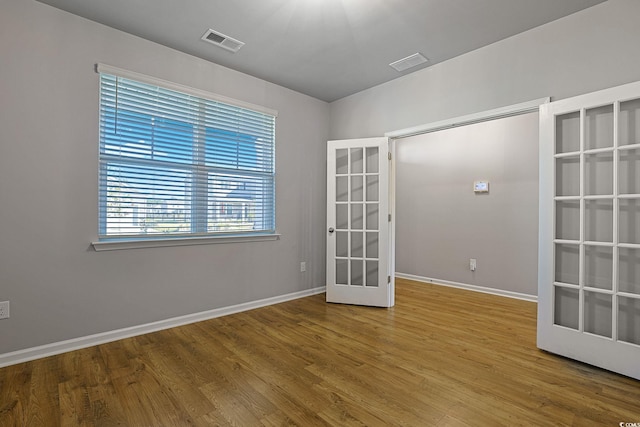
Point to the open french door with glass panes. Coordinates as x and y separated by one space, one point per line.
589 259
359 232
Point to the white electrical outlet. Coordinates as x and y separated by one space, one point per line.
473 264
303 267
4 310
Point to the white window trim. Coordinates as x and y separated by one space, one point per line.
120 244
155 242
132 75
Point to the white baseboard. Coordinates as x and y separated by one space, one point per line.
46 350
492 291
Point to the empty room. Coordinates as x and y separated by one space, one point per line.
319 212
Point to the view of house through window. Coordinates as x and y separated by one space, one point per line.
175 164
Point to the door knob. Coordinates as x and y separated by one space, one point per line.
331 230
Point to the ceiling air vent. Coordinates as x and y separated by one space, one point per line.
223 41
408 62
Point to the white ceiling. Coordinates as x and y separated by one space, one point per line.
327 49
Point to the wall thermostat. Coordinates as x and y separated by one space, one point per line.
481 187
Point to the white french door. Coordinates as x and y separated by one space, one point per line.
359 241
589 251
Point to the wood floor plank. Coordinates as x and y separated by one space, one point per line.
172 372
441 357
146 401
283 381
14 395
42 408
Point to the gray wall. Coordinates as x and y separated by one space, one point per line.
589 50
59 288
441 223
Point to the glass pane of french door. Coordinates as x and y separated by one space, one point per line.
356 223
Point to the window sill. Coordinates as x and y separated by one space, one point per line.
119 244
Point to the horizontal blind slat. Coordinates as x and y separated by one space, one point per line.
168 158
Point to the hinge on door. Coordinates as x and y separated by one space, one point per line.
389 217
389 155
388 279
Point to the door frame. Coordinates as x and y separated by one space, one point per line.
396 136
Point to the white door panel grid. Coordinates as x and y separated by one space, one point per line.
359 257
589 249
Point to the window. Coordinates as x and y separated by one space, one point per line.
178 162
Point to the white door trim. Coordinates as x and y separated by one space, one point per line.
483 116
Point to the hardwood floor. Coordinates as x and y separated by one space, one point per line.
440 357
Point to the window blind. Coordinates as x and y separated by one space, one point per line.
176 164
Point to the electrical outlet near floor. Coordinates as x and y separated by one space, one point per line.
303 267
473 264
4 310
